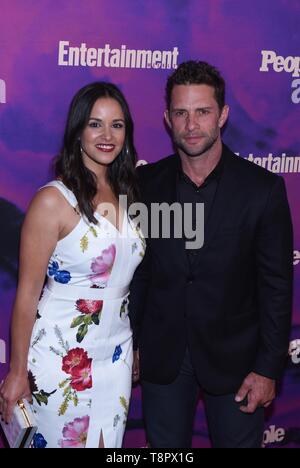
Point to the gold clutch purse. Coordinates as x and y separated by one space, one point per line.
20 431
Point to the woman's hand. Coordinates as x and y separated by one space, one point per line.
14 388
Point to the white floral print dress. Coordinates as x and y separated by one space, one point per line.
80 357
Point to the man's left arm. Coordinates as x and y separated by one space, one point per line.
274 259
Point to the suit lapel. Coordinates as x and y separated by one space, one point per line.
167 193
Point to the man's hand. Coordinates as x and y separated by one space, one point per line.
136 367
259 390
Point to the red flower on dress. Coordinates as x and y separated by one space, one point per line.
82 377
76 357
89 307
78 365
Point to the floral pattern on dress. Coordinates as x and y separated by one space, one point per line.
117 419
137 229
40 335
78 365
75 433
39 441
102 267
90 315
40 396
117 354
124 309
60 276
125 406
84 241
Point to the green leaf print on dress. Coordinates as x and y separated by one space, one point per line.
125 406
84 241
40 396
90 315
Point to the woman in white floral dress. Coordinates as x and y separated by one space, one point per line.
78 349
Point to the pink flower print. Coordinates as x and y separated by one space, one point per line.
103 265
75 433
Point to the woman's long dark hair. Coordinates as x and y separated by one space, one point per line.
69 166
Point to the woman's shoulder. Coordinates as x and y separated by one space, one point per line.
54 192
49 197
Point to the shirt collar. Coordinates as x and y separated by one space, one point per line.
215 174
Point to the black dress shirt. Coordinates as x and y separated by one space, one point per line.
189 192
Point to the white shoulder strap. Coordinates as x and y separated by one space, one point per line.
67 193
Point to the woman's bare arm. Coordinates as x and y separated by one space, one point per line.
40 233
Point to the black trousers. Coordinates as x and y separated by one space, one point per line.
169 412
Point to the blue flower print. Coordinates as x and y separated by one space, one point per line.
117 354
39 442
60 276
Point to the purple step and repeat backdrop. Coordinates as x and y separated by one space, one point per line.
48 50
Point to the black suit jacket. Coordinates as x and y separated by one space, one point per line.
234 311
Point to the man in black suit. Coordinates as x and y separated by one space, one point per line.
216 317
